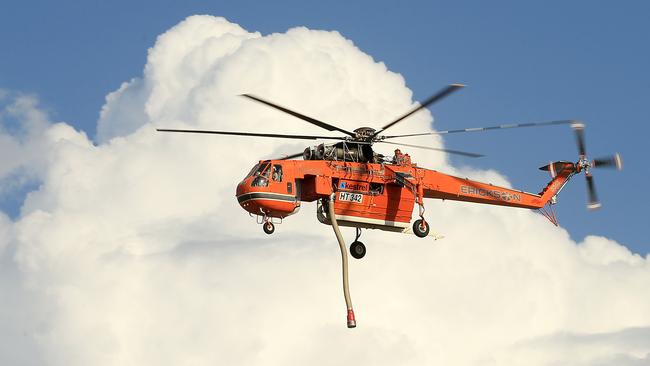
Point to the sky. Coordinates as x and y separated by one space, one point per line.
121 246
521 61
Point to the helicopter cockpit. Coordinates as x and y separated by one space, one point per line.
266 192
264 171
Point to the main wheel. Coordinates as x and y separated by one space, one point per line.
268 227
421 228
357 249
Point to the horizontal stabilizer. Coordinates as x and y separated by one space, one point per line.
557 167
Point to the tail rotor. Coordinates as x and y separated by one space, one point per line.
584 164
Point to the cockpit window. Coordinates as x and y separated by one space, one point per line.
252 170
262 175
263 169
260 181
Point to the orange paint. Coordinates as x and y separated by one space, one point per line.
373 195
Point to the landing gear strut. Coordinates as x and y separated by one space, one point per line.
357 249
420 226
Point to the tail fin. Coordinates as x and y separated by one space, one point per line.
561 172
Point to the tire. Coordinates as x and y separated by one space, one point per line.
357 250
268 227
419 230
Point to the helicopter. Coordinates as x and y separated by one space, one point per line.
355 186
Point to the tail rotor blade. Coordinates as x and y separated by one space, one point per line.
593 203
551 169
613 161
579 129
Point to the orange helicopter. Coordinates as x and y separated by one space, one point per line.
356 186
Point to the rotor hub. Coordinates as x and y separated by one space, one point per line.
584 164
364 133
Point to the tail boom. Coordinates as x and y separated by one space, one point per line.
446 187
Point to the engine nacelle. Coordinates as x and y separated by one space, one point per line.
340 152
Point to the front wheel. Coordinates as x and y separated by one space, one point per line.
420 228
357 249
268 227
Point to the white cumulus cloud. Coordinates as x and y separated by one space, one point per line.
134 251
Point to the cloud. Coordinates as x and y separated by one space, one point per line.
135 251
625 347
21 132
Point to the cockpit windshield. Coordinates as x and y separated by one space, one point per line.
262 175
253 170
259 169
263 169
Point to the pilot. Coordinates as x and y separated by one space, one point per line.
277 173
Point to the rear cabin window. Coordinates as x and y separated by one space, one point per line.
376 188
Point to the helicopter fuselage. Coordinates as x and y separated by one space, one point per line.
372 195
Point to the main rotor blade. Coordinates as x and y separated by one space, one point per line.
274 135
313 121
463 153
613 161
591 191
480 129
291 156
579 129
434 98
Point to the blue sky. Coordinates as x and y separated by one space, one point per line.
522 61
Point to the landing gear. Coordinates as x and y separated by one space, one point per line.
266 221
268 227
357 249
420 228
